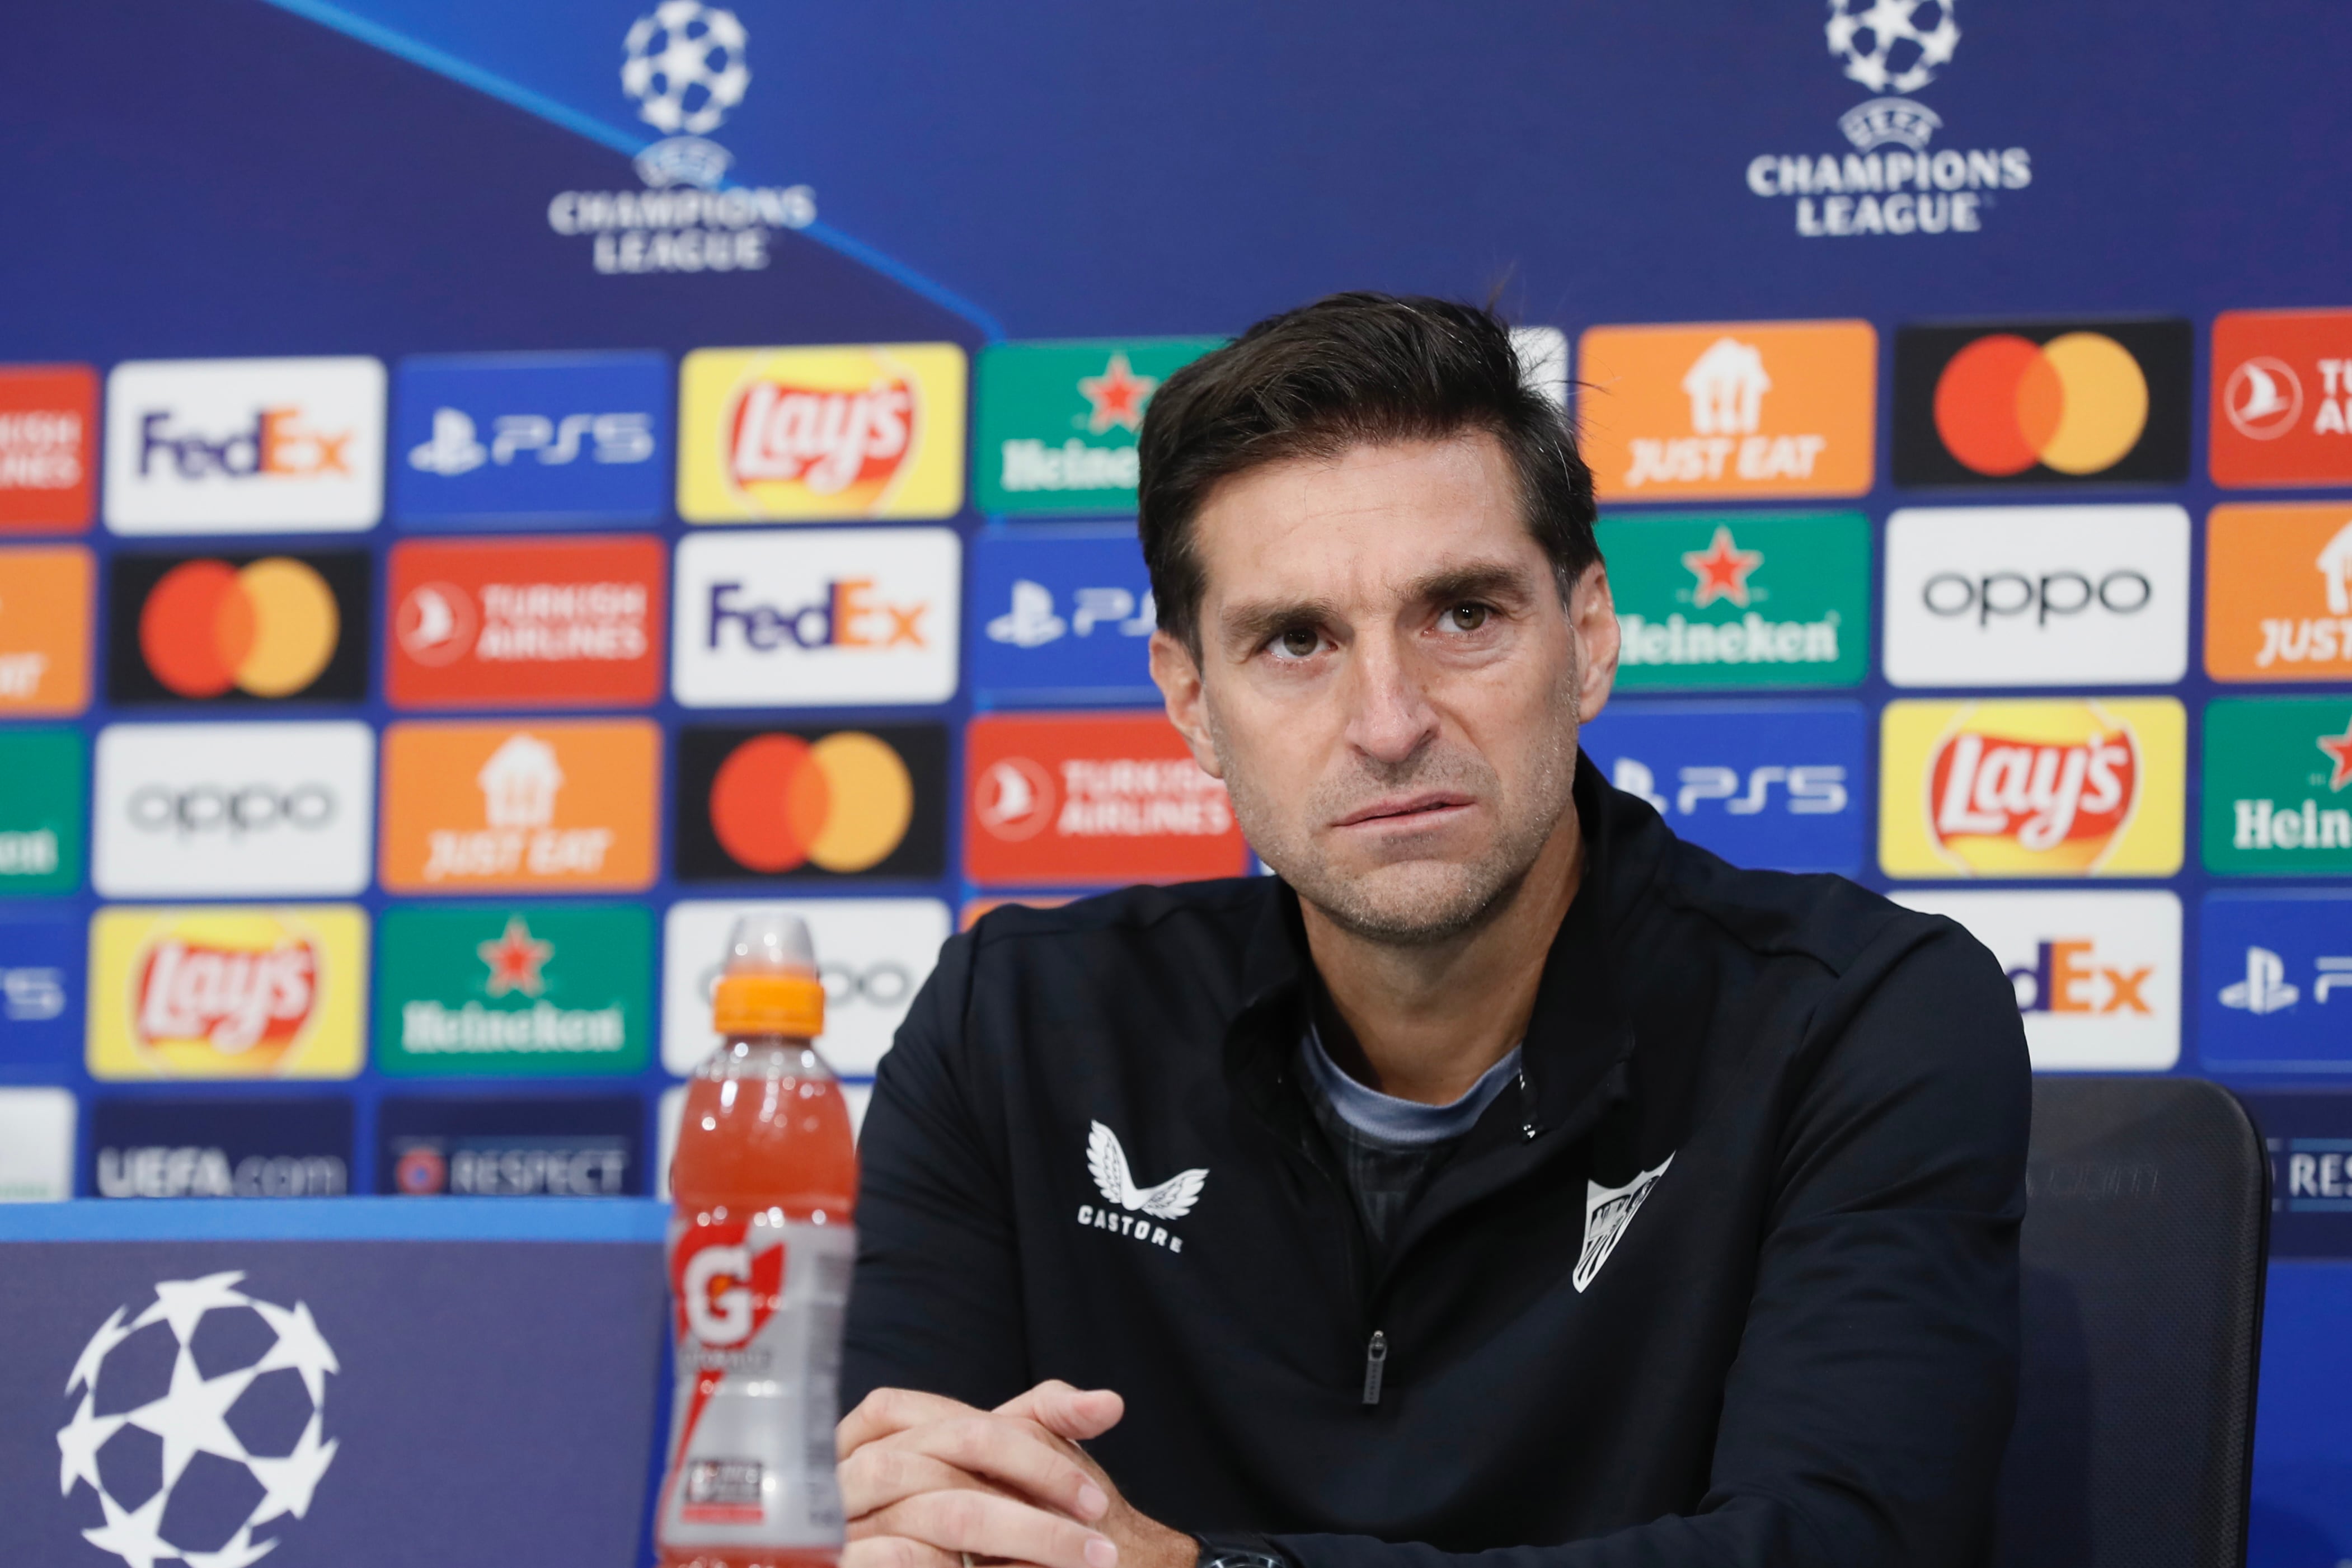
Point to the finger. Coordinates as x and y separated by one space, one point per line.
1076 1413
880 1474
895 1551
889 1410
990 1526
1013 1452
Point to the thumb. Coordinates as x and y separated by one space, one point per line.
1073 1413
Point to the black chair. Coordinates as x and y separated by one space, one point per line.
2146 1227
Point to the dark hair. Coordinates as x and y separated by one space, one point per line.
1345 371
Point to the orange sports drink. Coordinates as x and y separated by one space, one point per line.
761 1247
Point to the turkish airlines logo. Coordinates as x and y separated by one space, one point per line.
48 445
2263 397
2282 397
1089 798
514 623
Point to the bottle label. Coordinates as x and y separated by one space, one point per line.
760 1303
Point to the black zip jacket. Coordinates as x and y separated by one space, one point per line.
1728 1277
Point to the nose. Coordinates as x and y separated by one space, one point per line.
1390 717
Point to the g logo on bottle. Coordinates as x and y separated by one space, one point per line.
726 1290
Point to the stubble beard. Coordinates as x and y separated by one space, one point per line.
1412 903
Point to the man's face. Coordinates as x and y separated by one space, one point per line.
1387 682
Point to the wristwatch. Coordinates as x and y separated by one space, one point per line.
1238 1552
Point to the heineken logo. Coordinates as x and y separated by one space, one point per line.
2278 785
1754 601
542 989
1057 421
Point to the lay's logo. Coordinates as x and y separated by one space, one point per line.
809 434
226 992
2049 787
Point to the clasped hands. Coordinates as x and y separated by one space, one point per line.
928 1482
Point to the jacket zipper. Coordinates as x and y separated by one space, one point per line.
1376 1356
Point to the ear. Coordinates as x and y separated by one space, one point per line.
1178 675
1592 621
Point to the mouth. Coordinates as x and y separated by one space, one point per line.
1428 808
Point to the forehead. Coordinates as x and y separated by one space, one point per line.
1368 520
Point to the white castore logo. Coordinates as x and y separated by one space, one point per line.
1607 1212
192 1418
1107 1162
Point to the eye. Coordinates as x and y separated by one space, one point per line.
1467 617
1297 642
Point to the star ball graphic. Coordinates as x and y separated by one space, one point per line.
237 1423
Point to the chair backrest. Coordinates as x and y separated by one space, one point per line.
2148 1217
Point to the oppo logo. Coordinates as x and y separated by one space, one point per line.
2006 596
886 984
238 810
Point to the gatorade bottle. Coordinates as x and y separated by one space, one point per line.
765 1178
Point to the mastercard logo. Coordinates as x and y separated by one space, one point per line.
841 803
2077 404
267 629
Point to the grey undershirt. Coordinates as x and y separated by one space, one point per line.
1387 1147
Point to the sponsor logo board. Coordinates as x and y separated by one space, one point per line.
585 1147
1090 799
806 435
2278 593
517 440
2049 786
873 955
48 447
36 1145
239 628
226 992
1730 410
245 446
2043 402
2278 785
2282 398
811 803
41 976
526 623
282 1147
2097 975
2309 1139
1770 784
2037 596
519 989
817 619
207 810
2276 971
42 779
1061 613
1708 602
45 630
548 805
1056 421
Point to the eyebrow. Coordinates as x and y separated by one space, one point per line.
1251 623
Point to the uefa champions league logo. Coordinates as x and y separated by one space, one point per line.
1893 46
685 67
187 1463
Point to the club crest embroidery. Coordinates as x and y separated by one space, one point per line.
1607 1212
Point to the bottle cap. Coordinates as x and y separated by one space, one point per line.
769 984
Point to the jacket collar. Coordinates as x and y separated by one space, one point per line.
1579 1038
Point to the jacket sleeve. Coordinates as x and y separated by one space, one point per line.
1864 1417
936 1301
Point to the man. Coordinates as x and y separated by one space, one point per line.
1503 1172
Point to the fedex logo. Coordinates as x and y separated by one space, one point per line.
245 446
531 439
847 613
1764 784
792 619
1061 614
2096 974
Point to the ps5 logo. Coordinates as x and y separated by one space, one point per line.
1032 622
1806 791
2266 989
456 447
